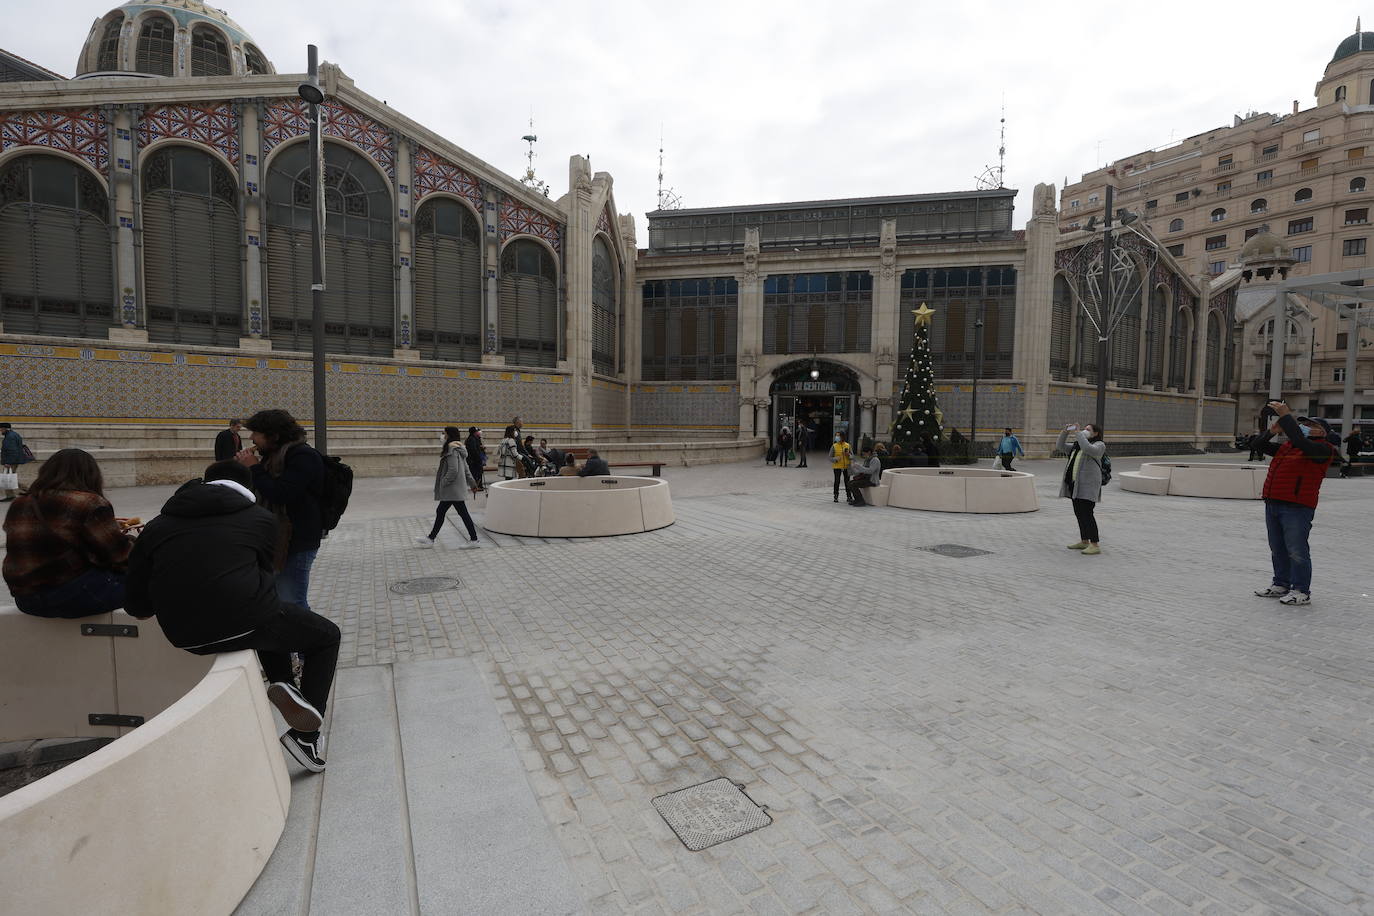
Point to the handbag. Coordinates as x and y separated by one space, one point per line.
9 481
26 454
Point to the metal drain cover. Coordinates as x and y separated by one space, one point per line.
958 551
424 585
710 813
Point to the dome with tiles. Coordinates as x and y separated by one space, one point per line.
169 38
1354 44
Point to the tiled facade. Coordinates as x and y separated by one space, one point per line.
691 408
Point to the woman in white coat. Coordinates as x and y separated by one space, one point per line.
1083 481
452 483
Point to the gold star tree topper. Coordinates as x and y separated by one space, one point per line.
923 314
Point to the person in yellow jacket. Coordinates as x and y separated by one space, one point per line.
840 454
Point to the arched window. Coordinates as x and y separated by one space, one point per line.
605 302
107 55
192 261
1218 214
1340 93
254 60
1213 377
1259 205
55 266
528 299
209 52
1154 336
359 298
1302 194
1061 329
1125 341
1180 349
1176 225
1356 184
156 46
448 281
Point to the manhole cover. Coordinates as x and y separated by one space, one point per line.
710 813
424 586
956 550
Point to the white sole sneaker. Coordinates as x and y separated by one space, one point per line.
423 542
306 753
1272 591
294 708
1293 598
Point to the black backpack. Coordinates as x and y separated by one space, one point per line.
1106 465
334 494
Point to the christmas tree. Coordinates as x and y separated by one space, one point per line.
918 414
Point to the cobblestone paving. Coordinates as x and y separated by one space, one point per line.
1030 731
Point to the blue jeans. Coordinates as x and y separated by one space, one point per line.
293 582
1289 525
96 591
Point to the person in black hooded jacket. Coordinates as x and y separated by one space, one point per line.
204 567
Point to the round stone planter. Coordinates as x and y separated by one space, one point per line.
959 489
1215 481
578 507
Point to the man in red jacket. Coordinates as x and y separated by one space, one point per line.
1290 500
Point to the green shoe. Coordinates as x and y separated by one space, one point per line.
1091 550
1079 546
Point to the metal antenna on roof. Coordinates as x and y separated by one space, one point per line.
994 178
530 180
667 198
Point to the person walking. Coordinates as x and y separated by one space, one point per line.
508 454
452 482
806 440
1290 500
1354 443
784 446
477 457
1009 448
229 443
204 568
65 552
1083 481
12 454
288 477
840 454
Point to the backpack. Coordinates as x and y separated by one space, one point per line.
1106 465
334 493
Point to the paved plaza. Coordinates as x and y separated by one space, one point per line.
1024 731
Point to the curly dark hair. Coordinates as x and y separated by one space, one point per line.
277 425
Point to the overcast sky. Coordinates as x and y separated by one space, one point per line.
763 101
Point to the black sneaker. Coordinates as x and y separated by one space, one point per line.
305 748
294 708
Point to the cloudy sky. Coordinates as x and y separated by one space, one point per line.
762 100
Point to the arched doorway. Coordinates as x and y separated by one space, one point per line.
827 404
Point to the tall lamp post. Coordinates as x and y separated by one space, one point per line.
977 373
311 93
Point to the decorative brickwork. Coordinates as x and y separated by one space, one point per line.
286 119
712 408
78 131
434 173
213 123
518 219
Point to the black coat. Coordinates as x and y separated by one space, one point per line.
227 445
595 467
204 566
297 491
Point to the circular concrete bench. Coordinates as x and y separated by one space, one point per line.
578 507
180 814
1217 481
980 490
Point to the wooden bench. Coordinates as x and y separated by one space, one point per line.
581 454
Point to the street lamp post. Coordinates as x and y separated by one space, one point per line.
311 93
1103 332
977 373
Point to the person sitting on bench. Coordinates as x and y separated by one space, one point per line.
595 466
204 568
866 474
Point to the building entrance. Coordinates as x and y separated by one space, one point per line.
827 404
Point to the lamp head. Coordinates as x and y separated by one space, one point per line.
311 93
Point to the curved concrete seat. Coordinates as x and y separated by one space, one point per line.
878 495
578 507
1217 481
980 490
177 816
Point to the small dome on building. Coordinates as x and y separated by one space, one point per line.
152 38
1360 41
1264 246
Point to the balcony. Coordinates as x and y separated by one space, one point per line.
1313 144
1289 384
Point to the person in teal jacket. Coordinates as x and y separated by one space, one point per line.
1009 448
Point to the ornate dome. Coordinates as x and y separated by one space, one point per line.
151 38
1360 41
1264 246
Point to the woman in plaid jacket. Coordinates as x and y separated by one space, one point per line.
65 555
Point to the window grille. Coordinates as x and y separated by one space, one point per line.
1180 359
690 329
1155 338
1213 378
1061 329
254 60
156 46
192 263
55 261
209 52
955 293
107 58
359 297
605 305
448 282
528 298
818 313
